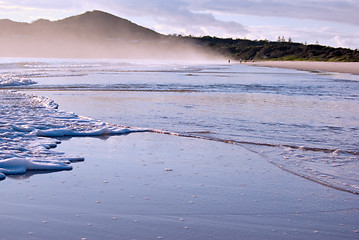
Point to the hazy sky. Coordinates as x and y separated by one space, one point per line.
330 22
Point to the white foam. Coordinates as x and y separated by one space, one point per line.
73 133
11 80
27 126
21 165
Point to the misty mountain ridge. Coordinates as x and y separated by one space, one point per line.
93 34
97 34
94 24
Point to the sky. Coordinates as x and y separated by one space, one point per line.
327 22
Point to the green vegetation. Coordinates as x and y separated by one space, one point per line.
280 50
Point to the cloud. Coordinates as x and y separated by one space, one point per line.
202 24
349 41
325 36
192 12
178 16
343 11
174 14
42 4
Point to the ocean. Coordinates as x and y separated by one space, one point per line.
306 123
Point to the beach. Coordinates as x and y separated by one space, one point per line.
153 186
212 151
339 67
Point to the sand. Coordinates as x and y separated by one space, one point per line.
340 67
154 186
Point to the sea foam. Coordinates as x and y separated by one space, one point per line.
28 126
12 80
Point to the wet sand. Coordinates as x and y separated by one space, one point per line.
154 186
340 67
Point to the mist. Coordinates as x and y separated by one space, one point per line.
95 35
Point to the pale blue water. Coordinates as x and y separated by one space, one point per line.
305 122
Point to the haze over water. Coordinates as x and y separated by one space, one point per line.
306 123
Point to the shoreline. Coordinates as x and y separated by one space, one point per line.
158 186
339 67
139 189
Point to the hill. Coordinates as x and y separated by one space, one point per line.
93 34
97 34
265 50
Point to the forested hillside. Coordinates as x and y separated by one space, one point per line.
265 50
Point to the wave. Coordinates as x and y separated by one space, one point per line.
28 127
274 153
330 166
31 126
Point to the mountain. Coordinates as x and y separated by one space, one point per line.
105 25
94 34
97 34
95 25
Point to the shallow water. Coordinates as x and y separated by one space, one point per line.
304 122
28 126
215 191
